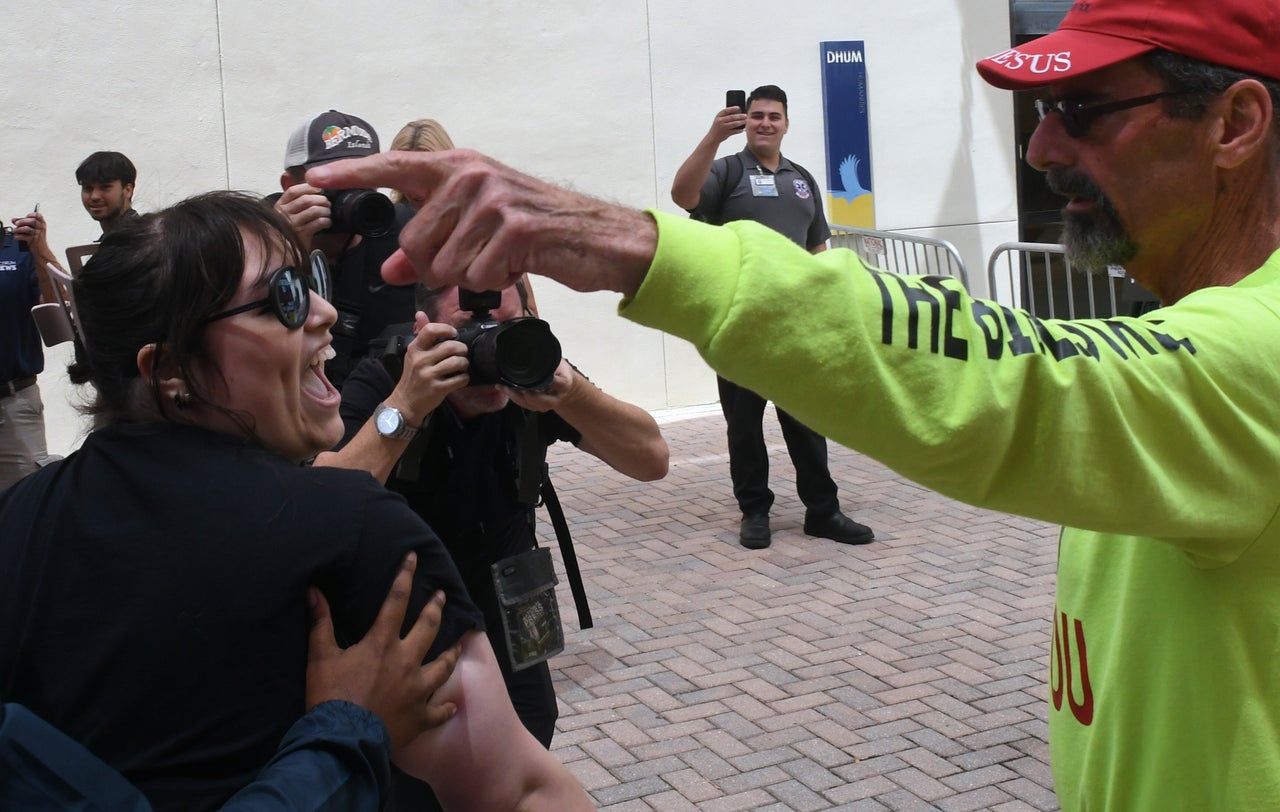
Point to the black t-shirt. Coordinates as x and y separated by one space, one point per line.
152 598
20 353
465 486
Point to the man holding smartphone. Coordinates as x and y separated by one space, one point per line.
760 184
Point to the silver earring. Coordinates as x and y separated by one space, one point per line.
181 400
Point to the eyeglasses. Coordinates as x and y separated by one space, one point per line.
288 293
1077 118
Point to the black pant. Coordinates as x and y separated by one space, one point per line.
749 459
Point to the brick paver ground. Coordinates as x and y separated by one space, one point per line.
903 675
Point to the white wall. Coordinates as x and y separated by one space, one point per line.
608 98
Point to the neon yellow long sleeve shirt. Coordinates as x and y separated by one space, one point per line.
1155 441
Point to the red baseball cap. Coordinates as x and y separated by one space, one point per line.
1240 34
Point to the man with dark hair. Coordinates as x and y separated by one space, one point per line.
366 304
106 188
1153 439
760 184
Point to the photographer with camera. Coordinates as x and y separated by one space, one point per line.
357 229
465 426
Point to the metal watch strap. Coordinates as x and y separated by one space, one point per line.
404 432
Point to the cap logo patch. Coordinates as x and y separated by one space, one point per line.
1013 59
334 136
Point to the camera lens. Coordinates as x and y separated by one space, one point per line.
361 211
521 353
527 354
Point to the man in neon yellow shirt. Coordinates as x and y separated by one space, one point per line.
1154 440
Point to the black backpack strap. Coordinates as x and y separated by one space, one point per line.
734 170
813 184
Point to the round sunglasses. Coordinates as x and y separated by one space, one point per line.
288 293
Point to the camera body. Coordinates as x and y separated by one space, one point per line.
521 353
367 212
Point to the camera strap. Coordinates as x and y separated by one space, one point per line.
533 479
567 553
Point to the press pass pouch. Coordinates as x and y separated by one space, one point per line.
526 589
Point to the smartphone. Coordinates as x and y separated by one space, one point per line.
23 245
736 98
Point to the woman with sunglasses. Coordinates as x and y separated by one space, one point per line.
206 347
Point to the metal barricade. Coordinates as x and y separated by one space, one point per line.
1038 278
902 253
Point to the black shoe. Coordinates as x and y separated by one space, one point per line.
754 533
838 527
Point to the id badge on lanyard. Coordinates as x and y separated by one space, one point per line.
763 186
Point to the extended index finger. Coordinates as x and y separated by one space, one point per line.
416 172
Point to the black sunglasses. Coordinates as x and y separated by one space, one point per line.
1077 118
288 293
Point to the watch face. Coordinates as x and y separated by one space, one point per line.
389 421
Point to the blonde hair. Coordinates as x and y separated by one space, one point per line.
420 135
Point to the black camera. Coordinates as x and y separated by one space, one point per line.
521 353
361 211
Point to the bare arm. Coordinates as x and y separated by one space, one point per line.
34 231
686 187
624 436
434 366
457 760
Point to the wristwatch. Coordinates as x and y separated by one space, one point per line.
390 423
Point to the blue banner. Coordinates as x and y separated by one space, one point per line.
844 101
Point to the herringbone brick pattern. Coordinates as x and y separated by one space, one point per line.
903 675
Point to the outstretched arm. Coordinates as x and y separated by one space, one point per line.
484 224
35 232
619 433
686 187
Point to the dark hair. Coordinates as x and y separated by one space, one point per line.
771 92
1201 82
428 299
102 167
154 280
